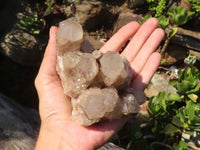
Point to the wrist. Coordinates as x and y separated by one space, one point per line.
51 140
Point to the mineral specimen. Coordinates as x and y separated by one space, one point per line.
98 84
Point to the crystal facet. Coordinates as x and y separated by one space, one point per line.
98 84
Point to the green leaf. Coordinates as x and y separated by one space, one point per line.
179 15
163 61
157 104
145 19
154 109
163 22
22 23
176 121
193 97
190 60
197 88
190 108
184 86
36 31
173 82
181 112
196 122
173 32
190 75
190 14
190 81
174 97
170 129
181 146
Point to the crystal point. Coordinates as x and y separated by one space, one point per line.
98 84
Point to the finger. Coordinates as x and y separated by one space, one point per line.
142 80
139 39
148 48
48 65
47 69
119 38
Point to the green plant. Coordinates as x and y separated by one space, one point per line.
174 113
132 138
158 6
31 23
190 60
179 15
162 11
163 21
195 7
181 146
50 8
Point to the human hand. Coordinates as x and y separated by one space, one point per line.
58 130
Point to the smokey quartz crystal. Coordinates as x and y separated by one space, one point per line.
98 84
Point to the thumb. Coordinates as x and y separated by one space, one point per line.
51 94
48 65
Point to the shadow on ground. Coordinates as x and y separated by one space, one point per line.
17 82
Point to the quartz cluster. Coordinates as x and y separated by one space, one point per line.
98 84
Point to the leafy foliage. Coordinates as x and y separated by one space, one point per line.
171 114
34 22
135 138
174 113
195 7
167 14
163 21
31 23
190 60
181 146
158 6
179 15
49 8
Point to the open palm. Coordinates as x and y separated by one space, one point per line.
58 130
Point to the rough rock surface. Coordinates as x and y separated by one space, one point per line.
160 83
20 45
125 17
174 54
19 126
97 83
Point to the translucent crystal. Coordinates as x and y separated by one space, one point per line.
69 36
94 104
114 70
98 84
